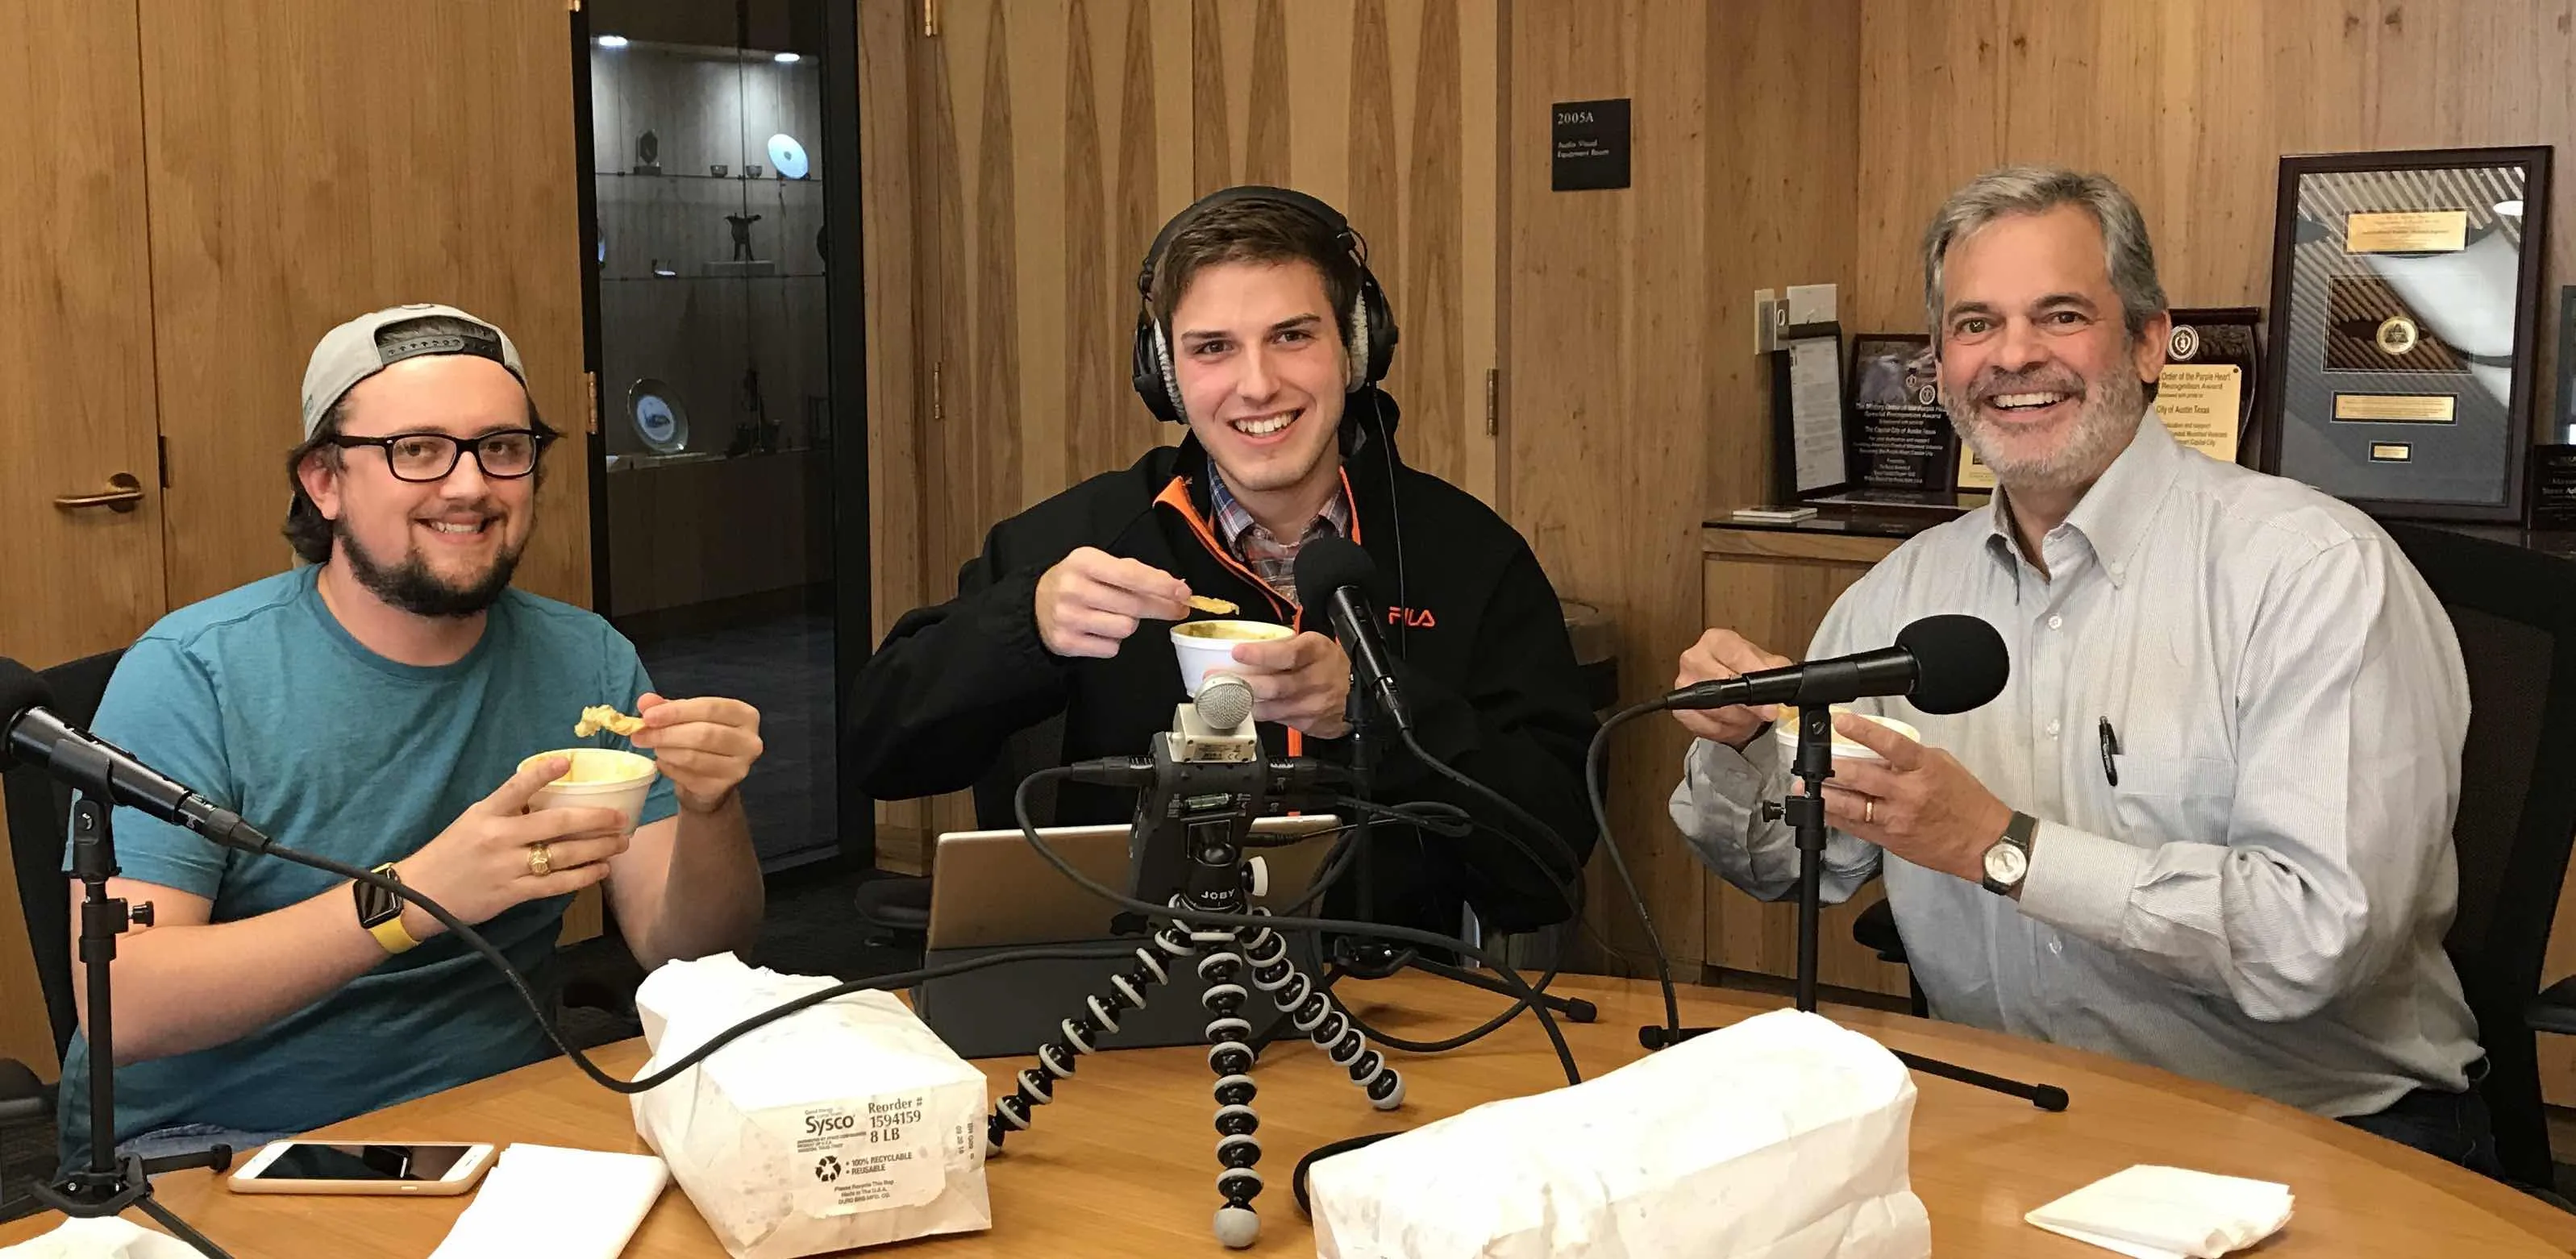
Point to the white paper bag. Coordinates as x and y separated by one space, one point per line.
1782 1137
845 1125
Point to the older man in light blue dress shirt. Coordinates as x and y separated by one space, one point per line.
2207 825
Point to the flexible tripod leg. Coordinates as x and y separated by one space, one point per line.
1238 1147
1081 1035
1312 1011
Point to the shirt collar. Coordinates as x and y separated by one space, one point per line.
1233 519
2114 515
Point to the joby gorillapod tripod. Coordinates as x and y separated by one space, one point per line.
1219 878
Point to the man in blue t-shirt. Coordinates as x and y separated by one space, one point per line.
374 706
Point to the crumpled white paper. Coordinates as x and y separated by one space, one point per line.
849 1124
1781 1137
2151 1212
101 1239
550 1202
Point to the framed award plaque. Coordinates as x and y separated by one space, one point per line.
2212 376
1898 437
2405 305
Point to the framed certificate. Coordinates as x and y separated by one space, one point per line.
2405 304
1808 455
2212 376
1898 436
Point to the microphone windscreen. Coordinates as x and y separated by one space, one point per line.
1327 564
1959 663
21 688
1224 701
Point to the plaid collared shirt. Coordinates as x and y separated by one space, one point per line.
1274 561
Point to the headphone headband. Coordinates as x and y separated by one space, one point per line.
1369 333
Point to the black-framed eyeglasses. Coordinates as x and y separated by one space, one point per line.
505 455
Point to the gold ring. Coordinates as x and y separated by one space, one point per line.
1868 812
541 862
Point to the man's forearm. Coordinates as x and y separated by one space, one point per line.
711 900
185 988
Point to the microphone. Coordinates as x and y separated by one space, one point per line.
1334 575
101 770
1940 664
1224 702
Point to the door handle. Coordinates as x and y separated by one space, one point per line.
123 494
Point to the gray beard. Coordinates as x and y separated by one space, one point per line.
2103 428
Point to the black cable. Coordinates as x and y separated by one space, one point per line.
536 1008
1340 926
1601 818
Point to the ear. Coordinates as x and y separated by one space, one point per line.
2149 352
319 474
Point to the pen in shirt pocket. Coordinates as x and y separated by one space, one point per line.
2110 750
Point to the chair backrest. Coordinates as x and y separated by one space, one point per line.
2514 609
39 811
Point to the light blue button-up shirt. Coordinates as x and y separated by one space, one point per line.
2261 900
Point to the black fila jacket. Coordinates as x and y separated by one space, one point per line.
1480 640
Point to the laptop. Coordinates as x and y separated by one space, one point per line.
991 892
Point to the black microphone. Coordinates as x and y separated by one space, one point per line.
1941 664
101 770
1335 575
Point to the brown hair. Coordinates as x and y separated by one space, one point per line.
1258 229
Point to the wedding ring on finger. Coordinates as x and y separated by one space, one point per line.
1868 812
541 860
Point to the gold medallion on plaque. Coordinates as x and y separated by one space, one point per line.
2397 335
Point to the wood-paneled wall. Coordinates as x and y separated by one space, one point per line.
1632 385
1020 161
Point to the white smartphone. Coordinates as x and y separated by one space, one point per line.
426 1169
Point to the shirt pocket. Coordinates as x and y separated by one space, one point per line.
2161 799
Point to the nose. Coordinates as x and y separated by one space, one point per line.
2020 348
465 480
1257 381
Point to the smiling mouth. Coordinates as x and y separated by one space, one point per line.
459 528
1265 425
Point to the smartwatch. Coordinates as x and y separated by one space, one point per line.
2007 860
380 912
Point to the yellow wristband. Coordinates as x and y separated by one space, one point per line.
392 936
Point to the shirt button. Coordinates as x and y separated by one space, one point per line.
2052 728
2056 622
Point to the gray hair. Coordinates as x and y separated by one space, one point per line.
2013 190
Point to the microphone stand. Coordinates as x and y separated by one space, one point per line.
111 1184
1806 817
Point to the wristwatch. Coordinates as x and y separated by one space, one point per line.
380 912
2008 859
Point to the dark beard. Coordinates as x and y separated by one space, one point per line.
411 587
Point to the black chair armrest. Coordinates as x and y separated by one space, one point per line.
22 1096
2554 1010
1875 930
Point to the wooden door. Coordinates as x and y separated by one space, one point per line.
75 379
76 404
314 160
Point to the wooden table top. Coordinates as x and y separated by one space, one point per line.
1124 1163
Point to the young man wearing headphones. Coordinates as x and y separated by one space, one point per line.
1262 331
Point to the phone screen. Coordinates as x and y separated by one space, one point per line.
309 1160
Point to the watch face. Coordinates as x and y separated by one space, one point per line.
2006 863
376 905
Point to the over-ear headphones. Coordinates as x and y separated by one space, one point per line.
1368 326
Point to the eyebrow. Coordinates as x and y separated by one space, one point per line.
1292 322
2050 301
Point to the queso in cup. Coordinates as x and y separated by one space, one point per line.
1209 645
1844 748
600 778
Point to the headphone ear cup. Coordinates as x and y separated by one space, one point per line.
1149 370
1356 350
1377 320
1171 380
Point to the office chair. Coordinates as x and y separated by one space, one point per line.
2514 610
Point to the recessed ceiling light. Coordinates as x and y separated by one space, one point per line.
612 41
786 58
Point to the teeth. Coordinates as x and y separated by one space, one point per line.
449 526
2014 400
1263 425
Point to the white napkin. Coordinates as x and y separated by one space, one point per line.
542 1200
100 1239
2150 1212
